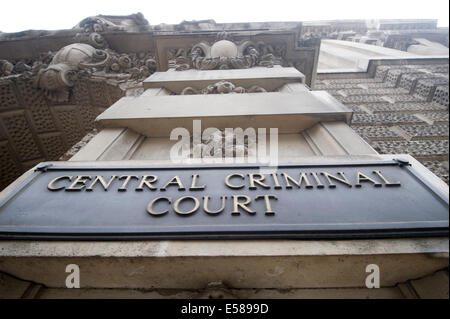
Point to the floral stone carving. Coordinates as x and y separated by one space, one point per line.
61 73
225 54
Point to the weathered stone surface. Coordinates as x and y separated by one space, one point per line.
37 129
373 91
361 99
385 118
406 107
437 117
441 95
375 132
426 131
439 168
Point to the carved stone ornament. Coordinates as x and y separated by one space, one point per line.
62 70
222 87
56 78
89 55
225 54
6 68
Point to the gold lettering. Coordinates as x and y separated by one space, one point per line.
150 206
275 180
102 181
386 182
176 205
194 182
147 183
342 180
174 181
318 182
51 187
82 179
364 178
267 198
303 177
237 204
258 181
227 181
207 210
123 188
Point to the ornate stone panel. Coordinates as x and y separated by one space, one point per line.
34 129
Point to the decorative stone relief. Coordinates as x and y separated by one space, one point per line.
34 129
226 54
26 67
56 73
222 87
60 74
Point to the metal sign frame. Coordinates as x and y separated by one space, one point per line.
438 227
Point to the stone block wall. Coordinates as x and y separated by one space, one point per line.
34 129
402 109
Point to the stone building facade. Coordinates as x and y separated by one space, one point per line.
400 108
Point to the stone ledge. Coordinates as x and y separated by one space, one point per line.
269 78
157 116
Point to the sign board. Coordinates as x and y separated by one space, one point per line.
338 200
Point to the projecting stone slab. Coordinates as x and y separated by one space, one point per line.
157 116
269 78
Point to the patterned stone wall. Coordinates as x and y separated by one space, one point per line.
34 129
403 109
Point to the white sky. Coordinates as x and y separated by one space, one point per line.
19 15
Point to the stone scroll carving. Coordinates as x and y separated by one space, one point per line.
226 54
61 73
57 78
222 87
56 73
